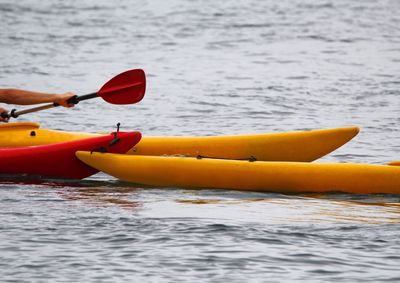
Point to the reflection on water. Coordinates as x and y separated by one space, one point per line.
90 192
100 196
316 209
307 208
146 228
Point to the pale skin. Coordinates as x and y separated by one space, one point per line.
25 97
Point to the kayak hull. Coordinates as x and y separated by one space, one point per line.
58 160
282 177
288 146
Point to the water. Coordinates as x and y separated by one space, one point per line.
213 67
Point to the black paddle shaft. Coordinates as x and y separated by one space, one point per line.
76 99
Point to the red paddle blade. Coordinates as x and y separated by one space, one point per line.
126 88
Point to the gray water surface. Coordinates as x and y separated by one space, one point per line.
213 67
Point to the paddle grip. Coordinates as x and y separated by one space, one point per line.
75 99
7 115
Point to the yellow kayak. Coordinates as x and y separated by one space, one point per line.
285 146
282 177
30 134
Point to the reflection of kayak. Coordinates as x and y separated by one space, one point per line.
58 160
286 146
284 177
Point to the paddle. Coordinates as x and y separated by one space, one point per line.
126 88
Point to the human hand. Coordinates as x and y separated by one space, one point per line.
2 119
62 99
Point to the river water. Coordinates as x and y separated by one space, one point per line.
213 67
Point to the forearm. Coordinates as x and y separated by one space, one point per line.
24 97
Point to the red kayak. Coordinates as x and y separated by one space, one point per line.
58 160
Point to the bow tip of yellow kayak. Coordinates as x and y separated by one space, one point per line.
352 131
83 155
